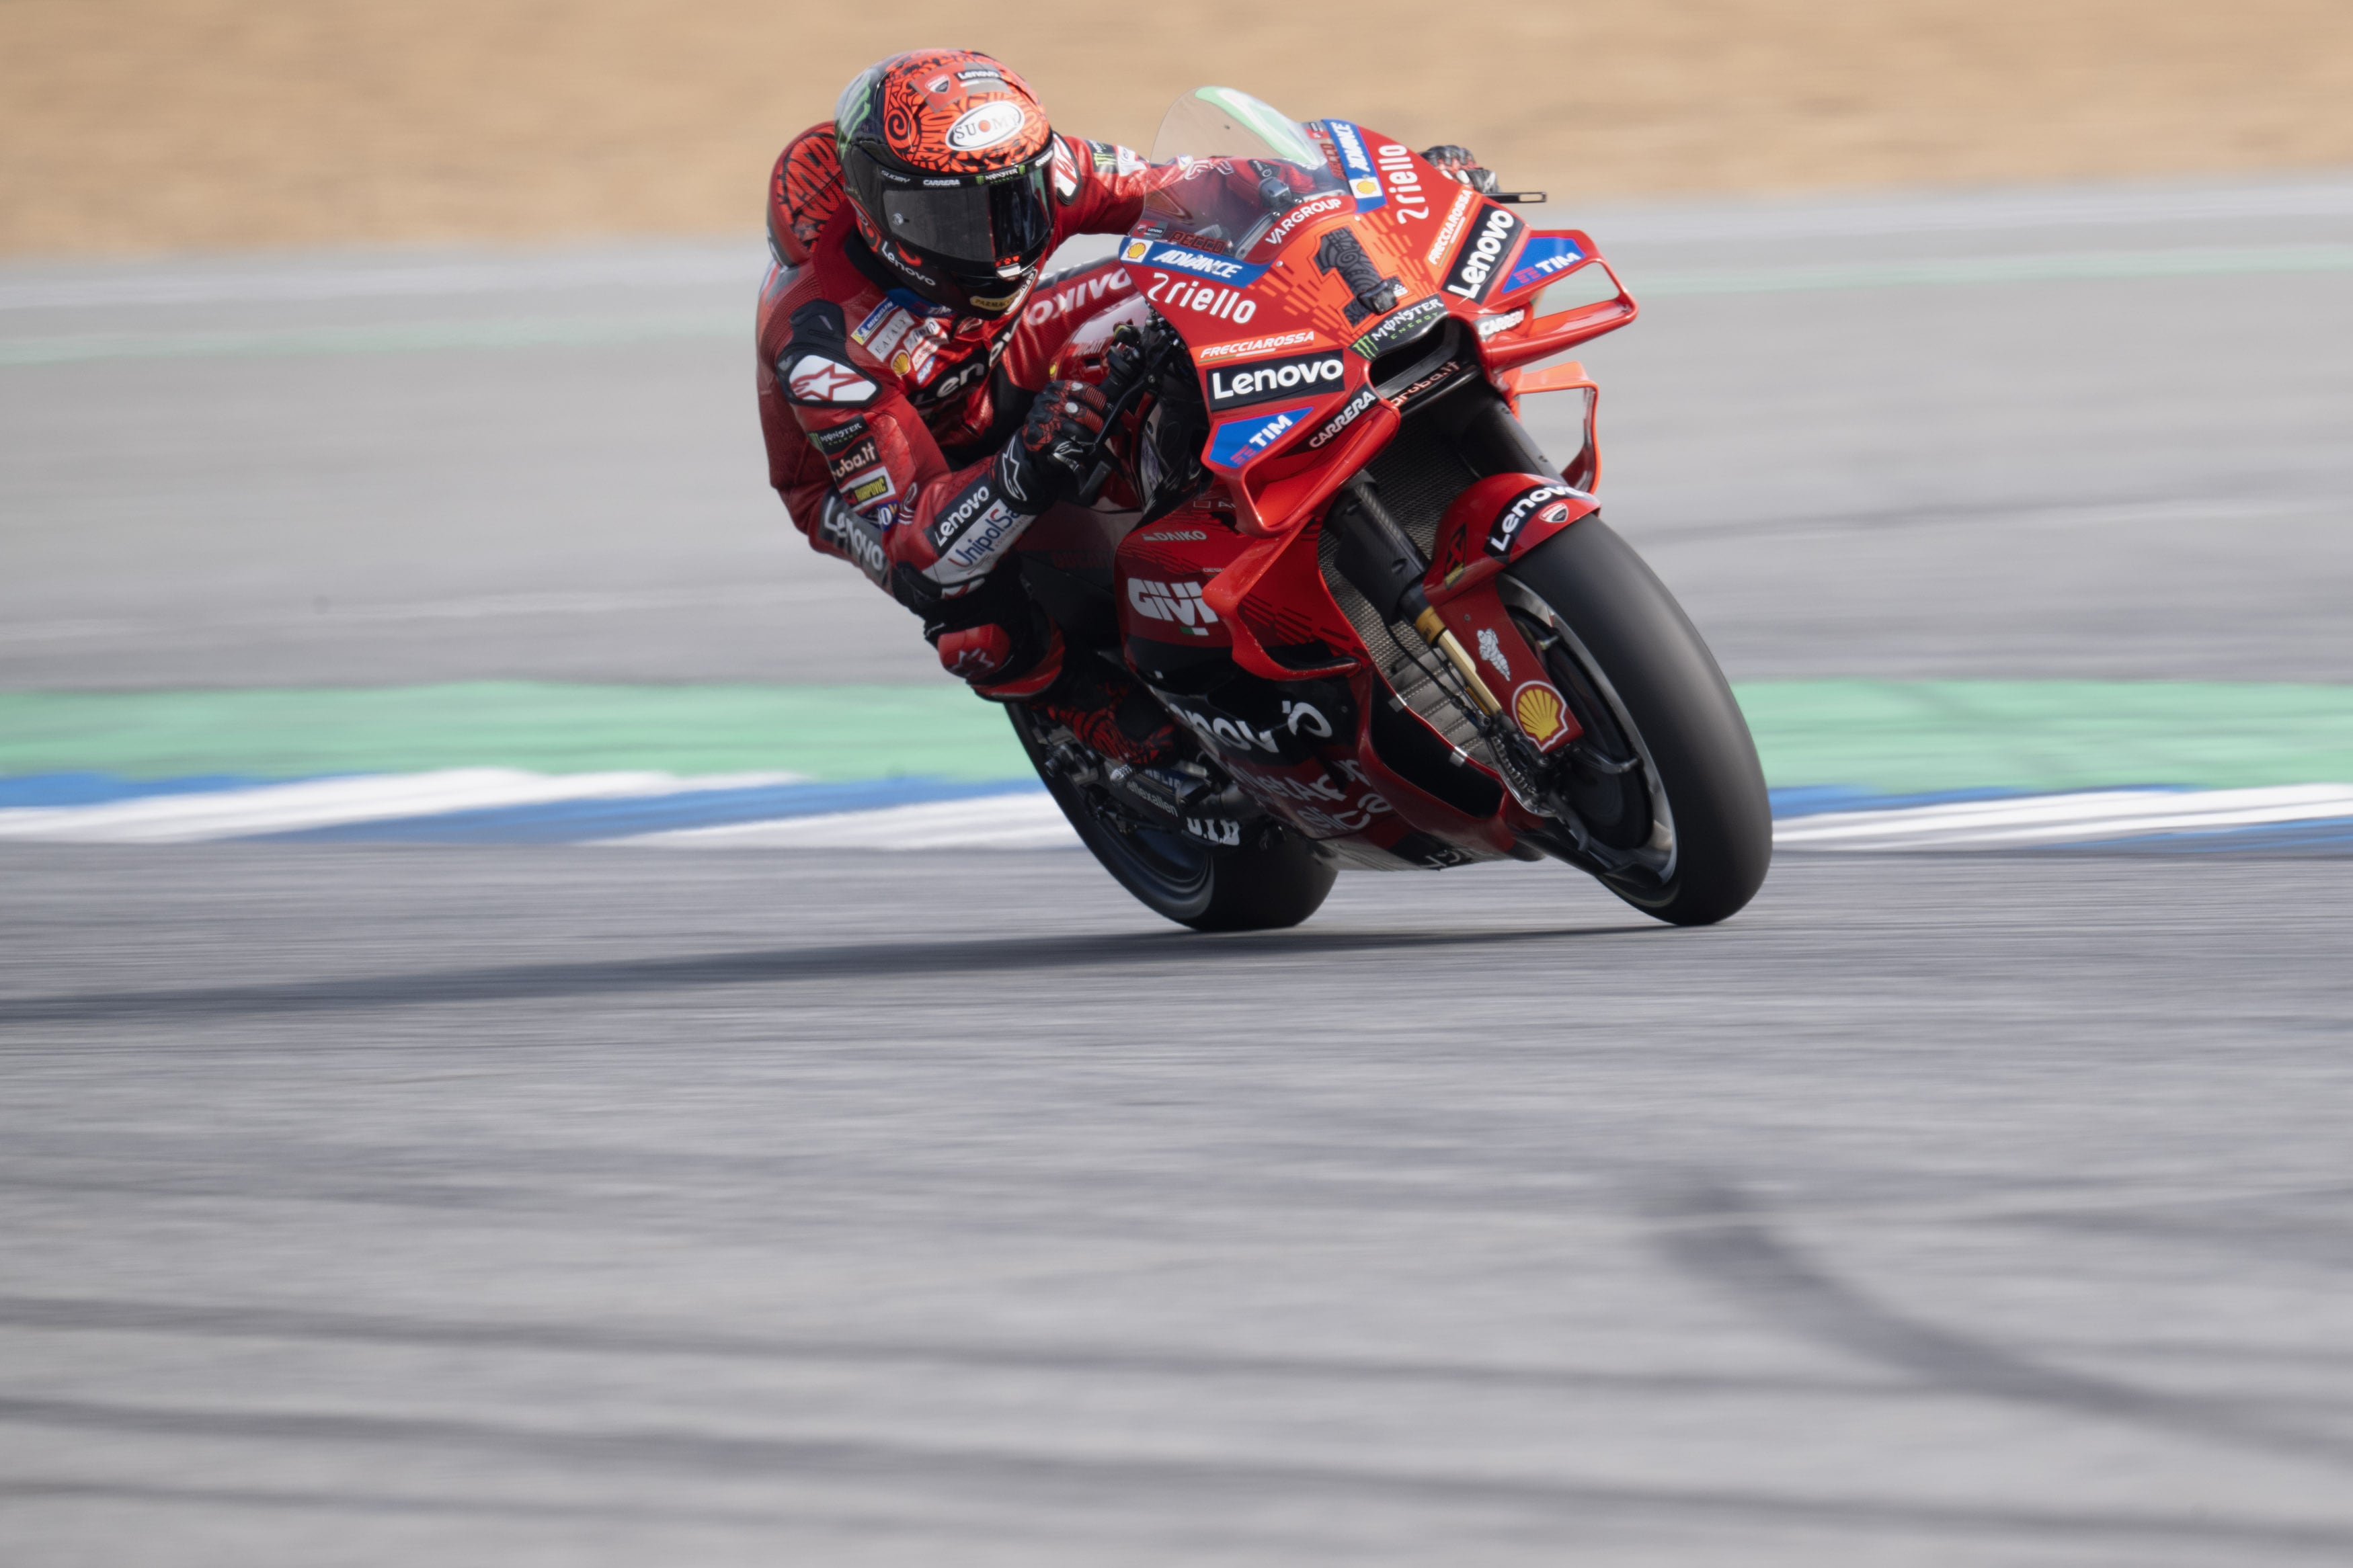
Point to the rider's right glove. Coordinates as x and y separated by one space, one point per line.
1050 456
1462 165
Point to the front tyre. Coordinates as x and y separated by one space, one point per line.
1666 779
1263 888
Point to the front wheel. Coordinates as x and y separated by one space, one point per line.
1665 779
1261 887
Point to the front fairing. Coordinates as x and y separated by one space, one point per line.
1317 316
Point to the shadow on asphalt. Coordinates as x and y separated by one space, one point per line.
700 971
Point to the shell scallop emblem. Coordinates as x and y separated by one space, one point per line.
1538 709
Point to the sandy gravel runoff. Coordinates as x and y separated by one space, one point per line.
150 125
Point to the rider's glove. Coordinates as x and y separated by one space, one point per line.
1462 165
1055 449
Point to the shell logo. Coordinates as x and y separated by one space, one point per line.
986 126
1540 713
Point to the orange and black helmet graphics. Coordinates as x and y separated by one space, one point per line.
946 157
804 193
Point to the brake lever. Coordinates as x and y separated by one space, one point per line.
1147 366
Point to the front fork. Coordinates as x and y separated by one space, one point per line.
1523 729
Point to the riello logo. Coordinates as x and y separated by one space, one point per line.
1238 386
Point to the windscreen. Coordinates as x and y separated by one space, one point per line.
1225 122
1250 164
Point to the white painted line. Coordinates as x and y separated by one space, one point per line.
2082 818
328 803
1029 820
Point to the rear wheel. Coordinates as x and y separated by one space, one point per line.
1260 888
1665 778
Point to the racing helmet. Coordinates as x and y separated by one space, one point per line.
946 158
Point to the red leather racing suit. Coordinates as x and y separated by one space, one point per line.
884 412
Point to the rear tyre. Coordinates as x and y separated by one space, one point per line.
1261 888
1692 804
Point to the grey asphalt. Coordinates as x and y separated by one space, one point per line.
587 1206
614 1207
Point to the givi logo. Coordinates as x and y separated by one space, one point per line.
1178 602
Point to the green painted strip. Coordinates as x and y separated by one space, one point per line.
588 331
414 337
2111 266
1898 736
825 732
1903 736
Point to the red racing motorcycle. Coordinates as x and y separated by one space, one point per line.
1395 632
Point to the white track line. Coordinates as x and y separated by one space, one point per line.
1029 820
2064 818
329 803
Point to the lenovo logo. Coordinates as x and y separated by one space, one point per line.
1474 269
1243 384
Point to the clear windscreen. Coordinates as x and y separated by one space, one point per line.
1247 164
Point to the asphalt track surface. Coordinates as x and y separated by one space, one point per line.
598 1205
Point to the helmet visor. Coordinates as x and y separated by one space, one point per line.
1000 216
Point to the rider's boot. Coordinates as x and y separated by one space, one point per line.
1110 713
1098 704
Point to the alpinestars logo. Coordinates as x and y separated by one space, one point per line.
814 380
1244 385
1548 503
1482 256
1177 602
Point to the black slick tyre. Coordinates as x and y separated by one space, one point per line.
1647 693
